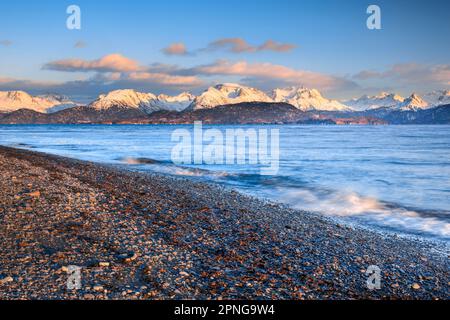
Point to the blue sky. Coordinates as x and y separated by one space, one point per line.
327 45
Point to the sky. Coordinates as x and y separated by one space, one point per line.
173 46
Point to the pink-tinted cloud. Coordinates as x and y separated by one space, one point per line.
165 79
234 45
21 84
271 72
178 49
109 63
271 45
239 45
87 89
410 73
116 68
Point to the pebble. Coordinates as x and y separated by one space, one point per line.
6 280
35 194
415 286
197 240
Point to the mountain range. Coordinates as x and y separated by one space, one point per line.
302 104
48 103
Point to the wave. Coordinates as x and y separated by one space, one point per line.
168 167
371 211
344 204
137 161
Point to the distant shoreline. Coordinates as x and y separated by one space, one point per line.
241 113
139 236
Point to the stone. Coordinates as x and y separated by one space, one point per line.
35 194
6 280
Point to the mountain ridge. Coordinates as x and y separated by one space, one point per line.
131 106
242 113
48 103
223 94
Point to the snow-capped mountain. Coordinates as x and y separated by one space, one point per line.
307 99
126 98
413 103
228 93
437 98
174 103
49 103
383 100
396 102
147 102
223 94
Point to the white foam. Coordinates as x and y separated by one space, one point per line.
371 210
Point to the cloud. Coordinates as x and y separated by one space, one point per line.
165 79
441 74
21 84
234 45
178 49
6 43
164 68
88 89
115 71
115 67
239 45
366 74
410 73
109 63
268 73
80 44
271 45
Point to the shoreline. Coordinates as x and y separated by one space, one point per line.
441 247
151 236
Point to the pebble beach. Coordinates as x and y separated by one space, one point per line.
151 236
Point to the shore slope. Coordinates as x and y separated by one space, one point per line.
139 236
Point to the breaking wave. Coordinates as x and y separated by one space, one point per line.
370 211
343 204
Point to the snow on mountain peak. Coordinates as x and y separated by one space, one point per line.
228 93
223 94
383 100
15 100
306 99
437 98
414 102
123 98
174 103
147 102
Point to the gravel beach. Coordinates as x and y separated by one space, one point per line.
149 236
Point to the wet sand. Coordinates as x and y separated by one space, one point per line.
148 236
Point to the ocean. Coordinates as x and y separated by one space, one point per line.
393 179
